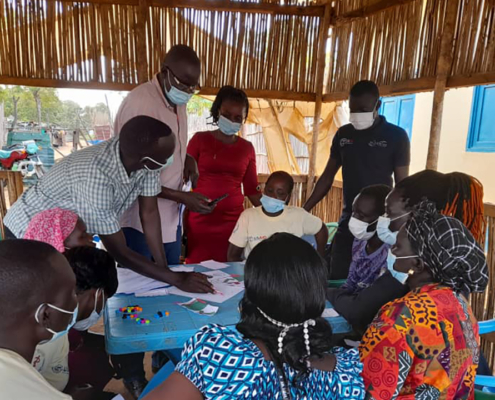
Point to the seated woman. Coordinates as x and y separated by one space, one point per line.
369 253
96 280
456 194
282 346
426 344
62 229
274 215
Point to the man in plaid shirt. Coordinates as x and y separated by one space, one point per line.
99 183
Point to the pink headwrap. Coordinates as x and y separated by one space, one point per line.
52 227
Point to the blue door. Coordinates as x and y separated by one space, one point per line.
399 110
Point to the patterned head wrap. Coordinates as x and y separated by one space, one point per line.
448 249
52 227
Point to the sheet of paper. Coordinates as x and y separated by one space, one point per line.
200 307
132 282
153 293
226 286
330 313
213 265
352 343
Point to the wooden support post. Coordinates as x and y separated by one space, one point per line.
320 74
142 53
294 166
444 65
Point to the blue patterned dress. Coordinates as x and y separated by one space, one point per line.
224 365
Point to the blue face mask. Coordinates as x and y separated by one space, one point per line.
178 97
228 127
57 335
272 205
400 276
384 232
169 162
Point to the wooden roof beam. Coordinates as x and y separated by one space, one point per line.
222 5
367 11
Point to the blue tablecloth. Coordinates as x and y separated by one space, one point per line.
124 336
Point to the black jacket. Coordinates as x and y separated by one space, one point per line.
360 308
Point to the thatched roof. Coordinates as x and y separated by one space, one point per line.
272 49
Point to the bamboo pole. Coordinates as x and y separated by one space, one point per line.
141 56
320 73
444 64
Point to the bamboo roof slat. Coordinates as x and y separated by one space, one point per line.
264 47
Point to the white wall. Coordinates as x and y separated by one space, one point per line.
455 126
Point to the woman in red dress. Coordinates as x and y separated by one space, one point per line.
227 165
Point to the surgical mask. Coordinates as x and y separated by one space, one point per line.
384 232
57 335
161 166
87 323
362 120
228 127
400 276
272 205
360 229
177 96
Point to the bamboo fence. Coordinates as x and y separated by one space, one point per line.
269 48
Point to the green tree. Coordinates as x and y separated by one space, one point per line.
198 105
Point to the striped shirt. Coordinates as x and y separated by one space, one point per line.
93 183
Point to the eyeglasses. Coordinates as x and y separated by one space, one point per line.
174 81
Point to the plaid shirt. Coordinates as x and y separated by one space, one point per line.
93 183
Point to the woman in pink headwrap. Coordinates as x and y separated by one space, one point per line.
62 229
80 352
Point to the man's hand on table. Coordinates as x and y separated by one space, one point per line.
192 282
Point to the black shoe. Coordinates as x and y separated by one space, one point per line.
135 387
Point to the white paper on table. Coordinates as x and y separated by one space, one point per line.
226 285
132 282
153 293
199 307
330 313
352 343
211 264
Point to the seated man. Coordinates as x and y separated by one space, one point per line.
87 362
274 215
39 304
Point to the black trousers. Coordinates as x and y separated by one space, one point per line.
8 233
340 253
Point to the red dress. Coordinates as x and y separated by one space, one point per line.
223 168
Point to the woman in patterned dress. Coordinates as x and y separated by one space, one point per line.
426 344
282 347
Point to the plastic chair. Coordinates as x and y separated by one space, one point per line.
159 377
336 283
332 230
479 395
488 382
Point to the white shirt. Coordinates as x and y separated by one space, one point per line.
52 361
148 99
20 381
254 226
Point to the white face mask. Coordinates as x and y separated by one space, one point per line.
56 335
384 232
363 120
87 323
400 276
161 166
360 229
